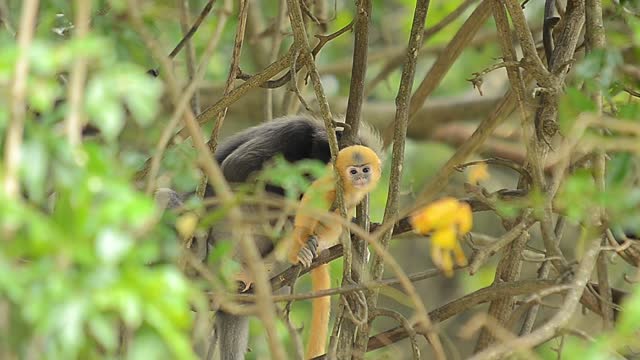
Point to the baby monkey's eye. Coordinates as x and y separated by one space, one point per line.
353 171
365 170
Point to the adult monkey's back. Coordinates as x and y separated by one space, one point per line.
241 156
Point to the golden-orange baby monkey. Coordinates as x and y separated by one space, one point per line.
359 168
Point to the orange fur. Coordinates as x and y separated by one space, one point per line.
320 280
328 234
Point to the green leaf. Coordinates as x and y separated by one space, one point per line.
619 168
578 195
34 171
147 345
43 93
105 331
43 60
112 245
598 67
630 110
103 108
630 319
70 322
293 177
572 103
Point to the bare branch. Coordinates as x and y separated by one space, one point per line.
560 319
401 122
233 71
445 61
398 59
284 79
462 304
152 166
74 122
13 141
203 14
354 268
255 265
190 54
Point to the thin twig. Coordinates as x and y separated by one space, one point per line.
190 53
75 119
401 122
237 93
302 43
203 14
508 268
462 304
444 61
354 267
595 40
286 78
5 18
482 132
631 92
275 50
277 283
256 267
411 333
530 53
15 129
488 323
226 101
523 172
233 71
398 59
477 78
560 319
152 165
543 274
481 257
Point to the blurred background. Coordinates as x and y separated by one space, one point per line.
129 110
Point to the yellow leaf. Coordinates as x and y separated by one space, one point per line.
436 215
461 260
444 238
447 219
186 224
464 218
478 173
443 213
443 242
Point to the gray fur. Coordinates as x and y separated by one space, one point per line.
296 137
367 136
232 332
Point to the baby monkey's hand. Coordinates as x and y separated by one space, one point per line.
308 252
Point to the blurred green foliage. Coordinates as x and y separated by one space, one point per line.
87 261
86 255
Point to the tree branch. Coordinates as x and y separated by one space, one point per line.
13 141
354 269
560 319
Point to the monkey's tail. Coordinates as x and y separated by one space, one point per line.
232 333
320 312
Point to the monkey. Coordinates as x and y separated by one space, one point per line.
294 137
359 168
240 157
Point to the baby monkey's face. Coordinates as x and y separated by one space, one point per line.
359 175
360 168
